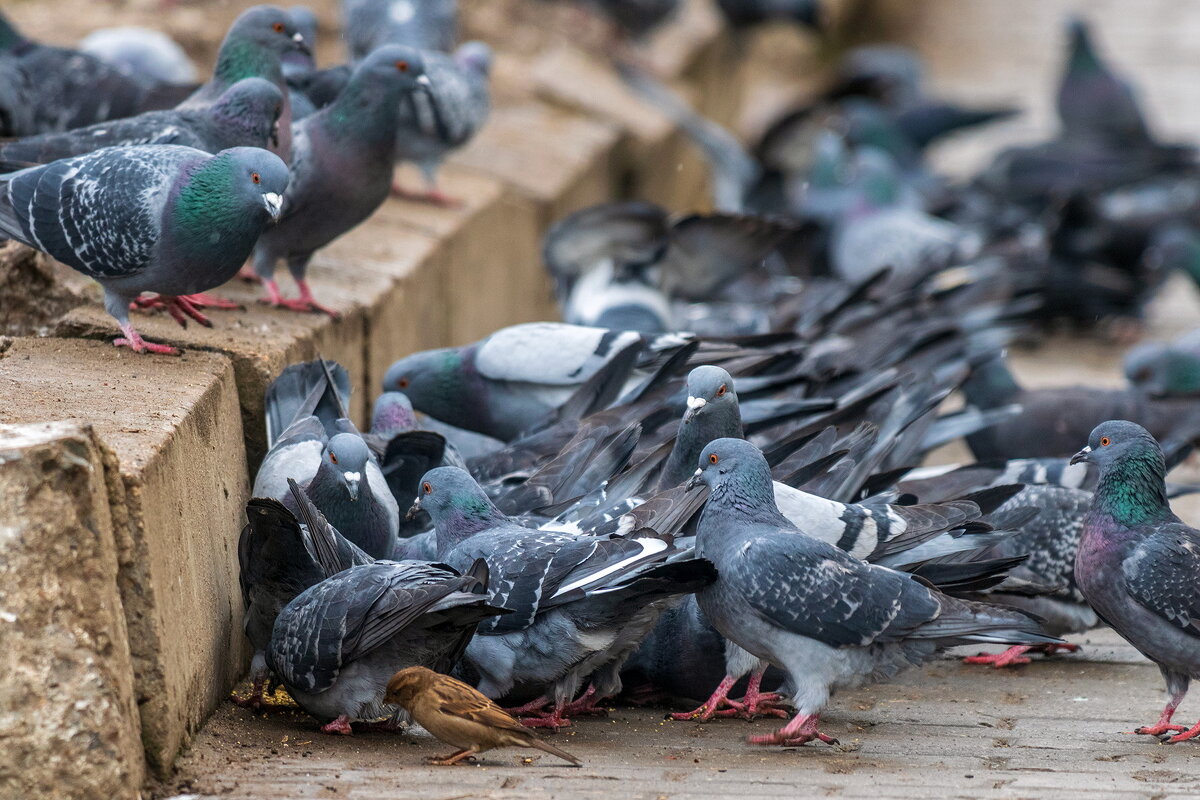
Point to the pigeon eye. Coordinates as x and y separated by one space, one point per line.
426 487
333 458
721 391
278 27
1105 441
403 383
254 176
402 65
712 459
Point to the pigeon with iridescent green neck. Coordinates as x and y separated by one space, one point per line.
150 218
246 115
341 169
1166 369
254 48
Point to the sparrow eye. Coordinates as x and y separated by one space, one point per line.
402 65
254 176
426 487
278 27
1105 441
721 391
333 458
403 384
712 459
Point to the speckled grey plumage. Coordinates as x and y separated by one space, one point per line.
423 24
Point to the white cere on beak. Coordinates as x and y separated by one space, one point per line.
274 203
696 403
353 477
698 472
423 80
298 37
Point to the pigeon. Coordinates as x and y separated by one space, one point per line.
624 299
341 169
826 618
1093 102
246 115
336 645
447 117
138 219
428 25
581 603
280 555
311 441
1051 417
507 383
69 88
747 13
144 52
459 715
1166 370
1139 565
254 48
301 61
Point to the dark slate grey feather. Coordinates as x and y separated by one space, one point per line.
424 24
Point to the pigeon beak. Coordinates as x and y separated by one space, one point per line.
1081 456
353 484
413 510
424 85
694 404
301 45
274 203
695 480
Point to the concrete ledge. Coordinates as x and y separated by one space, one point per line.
68 717
176 432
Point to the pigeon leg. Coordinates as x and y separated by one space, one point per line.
553 719
307 297
1016 654
341 725
255 700
1164 720
718 704
133 340
801 730
1191 733
451 760
180 308
756 702
537 706
587 703
247 273
203 300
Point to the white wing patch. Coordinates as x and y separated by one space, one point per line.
649 547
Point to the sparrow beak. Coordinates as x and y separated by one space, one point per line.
274 203
353 484
301 45
413 510
695 480
1081 456
694 404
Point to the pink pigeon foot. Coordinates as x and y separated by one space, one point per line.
133 340
587 704
340 726
304 303
717 705
433 197
801 730
1015 655
203 300
758 703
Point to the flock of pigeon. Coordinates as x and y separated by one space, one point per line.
707 482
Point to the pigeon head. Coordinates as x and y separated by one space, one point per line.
1082 53
369 105
710 394
304 20
249 112
475 56
346 457
226 199
457 504
1131 487
393 413
256 42
431 379
1162 370
737 473
10 37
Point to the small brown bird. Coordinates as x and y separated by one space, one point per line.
459 715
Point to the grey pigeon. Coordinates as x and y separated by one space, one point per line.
1139 564
827 619
1094 102
423 24
624 299
254 48
311 441
281 554
336 645
581 603
246 115
508 382
69 88
139 219
144 52
1166 369
445 119
341 169
300 61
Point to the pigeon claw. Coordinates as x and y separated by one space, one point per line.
587 703
203 300
1159 729
340 726
801 730
133 340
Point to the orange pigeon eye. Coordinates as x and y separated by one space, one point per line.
254 176
1105 441
403 384
278 26
712 459
402 65
426 487
333 458
721 391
